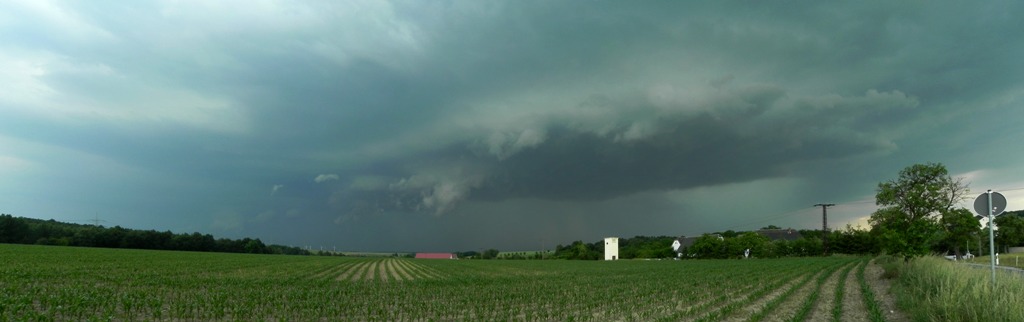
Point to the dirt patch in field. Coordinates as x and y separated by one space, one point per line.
374 271
395 272
853 300
881 286
384 270
332 271
352 272
822 310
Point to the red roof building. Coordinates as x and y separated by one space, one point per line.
436 255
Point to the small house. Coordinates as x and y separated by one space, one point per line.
682 243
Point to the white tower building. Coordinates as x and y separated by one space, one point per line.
611 248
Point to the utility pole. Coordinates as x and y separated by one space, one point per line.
824 224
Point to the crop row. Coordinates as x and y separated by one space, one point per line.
59 283
371 269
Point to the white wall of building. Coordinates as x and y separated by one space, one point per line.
611 248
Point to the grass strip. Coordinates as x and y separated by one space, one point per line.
935 289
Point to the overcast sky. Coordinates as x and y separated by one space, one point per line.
465 125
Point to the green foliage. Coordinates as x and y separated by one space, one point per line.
580 250
806 247
629 248
708 246
13 230
907 224
522 255
646 247
759 245
921 191
729 233
852 241
900 236
934 289
847 241
1011 230
489 254
50 232
960 228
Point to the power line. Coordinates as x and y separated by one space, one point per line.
95 221
800 211
863 201
788 214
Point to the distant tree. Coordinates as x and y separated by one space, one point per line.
759 245
806 247
255 246
490 254
771 227
708 246
645 247
580 250
85 237
960 228
782 248
12 230
729 233
907 224
851 240
1011 230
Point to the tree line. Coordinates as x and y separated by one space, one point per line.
20 230
918 215
730 244
727 244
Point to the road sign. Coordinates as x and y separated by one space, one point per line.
991 204
998 204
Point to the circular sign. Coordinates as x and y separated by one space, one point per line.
998 204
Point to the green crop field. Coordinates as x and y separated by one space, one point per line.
64 283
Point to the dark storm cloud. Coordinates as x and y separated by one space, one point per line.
380 115
740 135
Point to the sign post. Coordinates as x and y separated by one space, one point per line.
990 204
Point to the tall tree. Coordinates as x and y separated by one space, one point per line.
961 227
907 224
